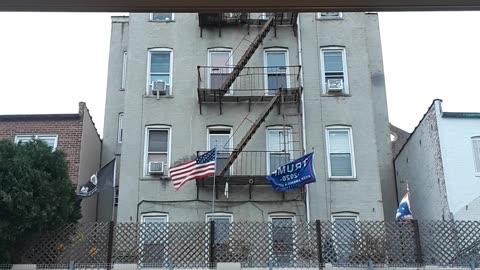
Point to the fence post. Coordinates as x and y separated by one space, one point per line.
318 228
212 243
110 245
417 242
71 265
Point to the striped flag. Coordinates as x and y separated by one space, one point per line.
201 167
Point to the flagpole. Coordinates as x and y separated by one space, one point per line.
214 175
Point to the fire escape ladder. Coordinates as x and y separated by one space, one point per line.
247 55
241 145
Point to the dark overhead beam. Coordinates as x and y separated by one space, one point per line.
238 5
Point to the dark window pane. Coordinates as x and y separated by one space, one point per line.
162 16
276 81
158 141
333 61
217 80
341 164
282 238
160 62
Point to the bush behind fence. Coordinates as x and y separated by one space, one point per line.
258 244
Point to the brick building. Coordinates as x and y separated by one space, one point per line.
74 134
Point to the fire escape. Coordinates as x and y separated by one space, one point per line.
274 86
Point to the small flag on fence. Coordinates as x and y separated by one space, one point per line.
293 175
403 211
201 167
99 181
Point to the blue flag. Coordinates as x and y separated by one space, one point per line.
403 211
293 175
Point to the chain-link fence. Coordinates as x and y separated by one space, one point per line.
257 244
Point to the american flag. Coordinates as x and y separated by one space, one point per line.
201 167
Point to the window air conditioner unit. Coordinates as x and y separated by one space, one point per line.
335 85
159 88
155 167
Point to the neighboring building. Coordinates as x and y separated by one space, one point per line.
74 134
180 84
441 163
398 137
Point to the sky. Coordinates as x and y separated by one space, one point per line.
51 61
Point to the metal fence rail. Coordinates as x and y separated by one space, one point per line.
258 244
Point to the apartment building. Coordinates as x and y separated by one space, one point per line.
264 89
74 134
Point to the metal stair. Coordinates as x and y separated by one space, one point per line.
246 56
241 145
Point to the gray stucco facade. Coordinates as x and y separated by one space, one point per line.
363 111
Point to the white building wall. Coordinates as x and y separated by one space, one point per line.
463 186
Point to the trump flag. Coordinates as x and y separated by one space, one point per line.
293 175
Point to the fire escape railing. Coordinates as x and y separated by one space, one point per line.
253 163
253 81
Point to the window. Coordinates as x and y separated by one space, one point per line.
220 61
276 62
222 226
476 154
160 72
51 140
329 15
157 146
279 147
220 137
117 192
344 233
340 152
120 128
124 71
162 17
334 70
153 235
282 238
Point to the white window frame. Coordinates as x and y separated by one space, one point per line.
265 64
145 150
320 16
340 215
220 128
279 215
154 214
209 62
166 21
476 159
208 216
124 71
346 89
154 50
32 137
120 128
352 152
267 147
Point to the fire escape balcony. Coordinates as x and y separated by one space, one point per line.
250 167
249 19
253 84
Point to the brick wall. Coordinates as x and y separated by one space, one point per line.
69 132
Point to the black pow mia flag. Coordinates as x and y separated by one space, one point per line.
100 181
